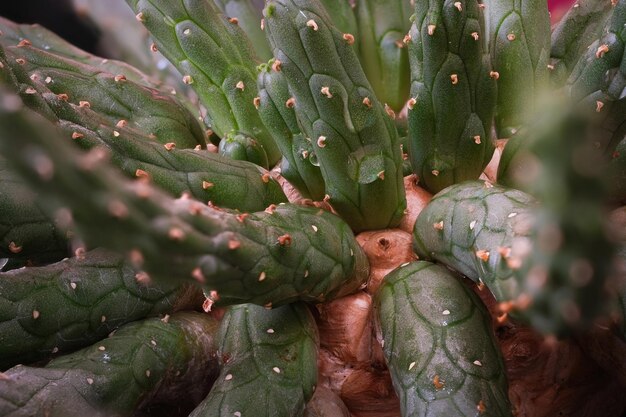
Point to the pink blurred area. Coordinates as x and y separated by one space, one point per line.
558 8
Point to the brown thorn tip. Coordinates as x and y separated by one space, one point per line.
367 102
198 275
176 234
118 209
599 106
140 173
284 240
481 407
349 38
14 248
80 253
483 255
77 135
277 65
206 185
438 382
120 78
290 103
390 112
312 24
234 244
142 277
265 177
169 146
24 42
234 20
602 49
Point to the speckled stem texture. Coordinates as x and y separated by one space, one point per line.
215 58
276 107
439 344
269 363
273 257
481 230
248 17
114 377
355 141
453 94
117 100
517 33
26 232
74 303
205 175
583 24
382 28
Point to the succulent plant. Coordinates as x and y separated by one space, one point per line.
178 240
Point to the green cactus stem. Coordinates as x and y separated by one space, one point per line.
242 147
76 302
276 108
206 176
598 81
248 17
269 258
269 363
439 345
123 102
216 60
578 28
480 230
453 95
343 17
44 39
26 232
562 163
383 26
518 39
173 357
354 139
